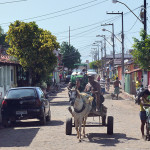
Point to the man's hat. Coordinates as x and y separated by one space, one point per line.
91 75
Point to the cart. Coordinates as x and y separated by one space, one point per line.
103 114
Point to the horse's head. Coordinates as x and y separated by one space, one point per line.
73 94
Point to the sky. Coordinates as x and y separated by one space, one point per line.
84 18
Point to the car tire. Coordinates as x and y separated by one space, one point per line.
43 119
48 117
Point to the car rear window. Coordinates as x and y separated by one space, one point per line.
18 93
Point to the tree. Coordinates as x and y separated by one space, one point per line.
141 51
95 64
2 38
33 47
70 55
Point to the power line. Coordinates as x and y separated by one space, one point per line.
62 11
12 2
107 20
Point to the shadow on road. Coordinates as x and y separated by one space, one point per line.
37 123
108 97
56 123
60 103
17 137
22 133
109 140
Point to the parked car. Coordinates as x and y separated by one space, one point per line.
25 103
91 72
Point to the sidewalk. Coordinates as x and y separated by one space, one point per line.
122 94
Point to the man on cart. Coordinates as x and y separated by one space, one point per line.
94 88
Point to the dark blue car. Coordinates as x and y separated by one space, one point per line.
25 103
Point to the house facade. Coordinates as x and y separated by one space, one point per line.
8 74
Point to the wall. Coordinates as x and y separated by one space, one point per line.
7 79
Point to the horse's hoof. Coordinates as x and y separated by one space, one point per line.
80 140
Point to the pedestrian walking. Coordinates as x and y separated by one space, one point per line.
107 83
116 87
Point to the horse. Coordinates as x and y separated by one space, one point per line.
82 105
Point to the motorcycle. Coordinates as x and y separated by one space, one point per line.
138 91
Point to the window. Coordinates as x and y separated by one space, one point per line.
41 94
8 75
18 93
12 75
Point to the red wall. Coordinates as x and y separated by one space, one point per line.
120 73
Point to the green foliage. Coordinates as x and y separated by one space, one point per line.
33 47
141 51
95 64
49 80
2 38
70 55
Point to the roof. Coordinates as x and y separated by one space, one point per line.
117 56
5 59
138 69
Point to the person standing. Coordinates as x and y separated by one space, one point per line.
60 77
98 78
116 87
108 83
102 84
143 100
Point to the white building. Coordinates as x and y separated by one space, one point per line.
8 77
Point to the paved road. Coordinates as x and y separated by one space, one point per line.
29 135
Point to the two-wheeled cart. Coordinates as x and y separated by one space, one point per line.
103 114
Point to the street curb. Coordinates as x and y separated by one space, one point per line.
132 97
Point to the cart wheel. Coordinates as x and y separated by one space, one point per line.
110 121
104 120
69 126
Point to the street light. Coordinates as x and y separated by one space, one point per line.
112 45
122 47
94 44
112 34
145 28
104 47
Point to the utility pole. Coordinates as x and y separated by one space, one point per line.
69 35
122 62
112 40
94 54
145 18
104 64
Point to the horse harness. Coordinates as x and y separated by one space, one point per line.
83 107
